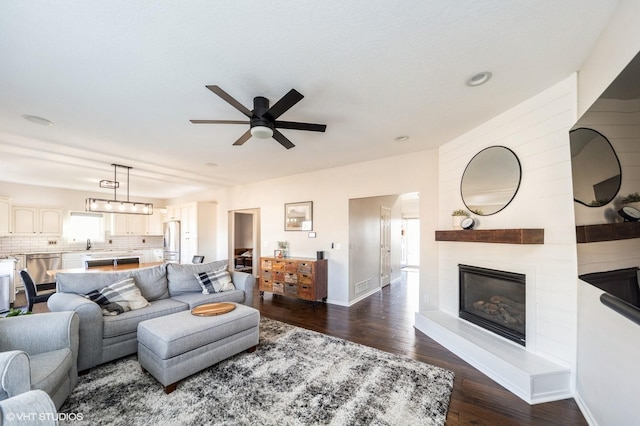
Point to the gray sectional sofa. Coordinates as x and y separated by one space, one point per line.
169 288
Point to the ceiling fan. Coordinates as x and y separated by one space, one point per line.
263 122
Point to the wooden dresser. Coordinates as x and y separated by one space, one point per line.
303 278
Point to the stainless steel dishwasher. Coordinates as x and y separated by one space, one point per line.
39 263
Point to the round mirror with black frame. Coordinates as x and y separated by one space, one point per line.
491 180
595 168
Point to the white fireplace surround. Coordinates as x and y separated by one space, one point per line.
522 370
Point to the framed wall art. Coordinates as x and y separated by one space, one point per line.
298 216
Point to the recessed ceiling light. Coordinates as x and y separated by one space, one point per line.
401 138
38 120
211 165
478 78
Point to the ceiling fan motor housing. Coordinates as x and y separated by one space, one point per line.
260 107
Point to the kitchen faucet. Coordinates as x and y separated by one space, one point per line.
88 243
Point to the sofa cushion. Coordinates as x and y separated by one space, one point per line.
215 281
181 278
118 297
128 322
197 299
152 282
48 369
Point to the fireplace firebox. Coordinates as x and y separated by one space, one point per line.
494 300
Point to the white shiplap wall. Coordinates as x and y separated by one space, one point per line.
618 121
538 132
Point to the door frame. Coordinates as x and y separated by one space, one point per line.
255 214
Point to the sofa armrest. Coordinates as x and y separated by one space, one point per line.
245 282
90 331
29 408
39 333
15 377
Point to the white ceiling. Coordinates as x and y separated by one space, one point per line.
121 79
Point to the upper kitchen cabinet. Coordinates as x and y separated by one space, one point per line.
5 216
127 224
136 224
36 220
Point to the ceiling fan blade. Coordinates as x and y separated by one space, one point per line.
227 97
301 126
282 139
283 105
218 122
245 137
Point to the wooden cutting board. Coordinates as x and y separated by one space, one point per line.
211 309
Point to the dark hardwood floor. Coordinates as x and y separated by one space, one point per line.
385 321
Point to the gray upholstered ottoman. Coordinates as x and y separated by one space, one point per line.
176 346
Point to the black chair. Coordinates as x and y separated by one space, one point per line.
128 260
197 259
99 262
31 292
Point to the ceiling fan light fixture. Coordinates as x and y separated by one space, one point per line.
261 132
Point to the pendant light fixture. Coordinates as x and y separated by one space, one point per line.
115 205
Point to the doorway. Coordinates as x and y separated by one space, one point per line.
244 240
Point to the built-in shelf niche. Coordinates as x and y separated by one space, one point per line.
499 236
607 232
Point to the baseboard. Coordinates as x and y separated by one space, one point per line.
584 409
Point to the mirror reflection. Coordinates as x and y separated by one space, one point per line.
595 168
490 180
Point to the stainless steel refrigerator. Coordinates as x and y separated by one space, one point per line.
172 241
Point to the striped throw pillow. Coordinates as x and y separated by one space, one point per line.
215 281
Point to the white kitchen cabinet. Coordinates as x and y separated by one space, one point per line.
198 230
128 224
73 260
173 213
154 224
36 220
5 216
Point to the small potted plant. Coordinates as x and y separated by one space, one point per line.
457 217
632 200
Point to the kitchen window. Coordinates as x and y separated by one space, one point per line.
83 226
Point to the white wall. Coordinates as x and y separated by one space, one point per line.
608 350
364 242
330 190
538 132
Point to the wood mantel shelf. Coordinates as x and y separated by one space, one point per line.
501 236
607 232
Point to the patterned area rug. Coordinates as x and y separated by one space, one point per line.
295 377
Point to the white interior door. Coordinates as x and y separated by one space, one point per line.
385 246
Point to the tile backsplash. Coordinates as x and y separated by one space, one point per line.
56 244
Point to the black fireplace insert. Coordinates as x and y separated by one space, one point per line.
494 300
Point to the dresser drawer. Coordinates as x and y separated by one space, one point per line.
305 267
266 264
291 266
305 279
266 273
305 292
278 265
278 288
291 290
290 278
277 276
266 285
